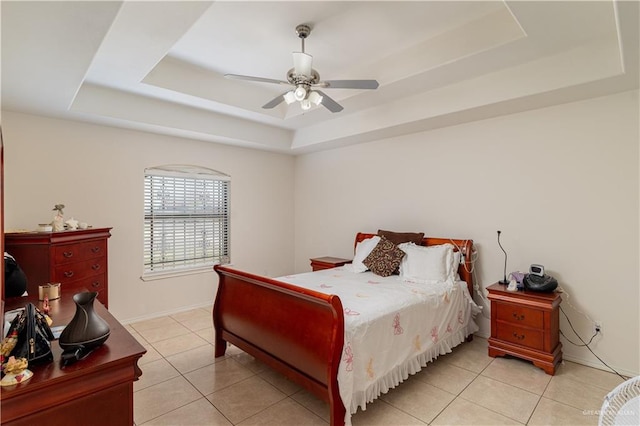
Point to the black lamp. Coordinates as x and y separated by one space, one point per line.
504 280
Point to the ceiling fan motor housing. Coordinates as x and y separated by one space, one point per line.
303 31
297 79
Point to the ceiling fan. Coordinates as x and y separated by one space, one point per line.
305 80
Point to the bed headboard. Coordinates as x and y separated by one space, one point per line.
466 246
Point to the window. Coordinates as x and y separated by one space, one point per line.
186 219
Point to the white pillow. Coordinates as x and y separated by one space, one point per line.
363 248
427 264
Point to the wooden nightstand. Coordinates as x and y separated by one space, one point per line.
327 262
525 324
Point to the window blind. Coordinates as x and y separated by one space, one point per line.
186 221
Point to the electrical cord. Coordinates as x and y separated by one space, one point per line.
473 256
577 344
563 291
587 344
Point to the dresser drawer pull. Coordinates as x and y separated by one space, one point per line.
95 284
68 274
518 336
518 317
95 267
95 249
68 254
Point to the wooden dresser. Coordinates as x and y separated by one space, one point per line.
525 324
327 262
76 259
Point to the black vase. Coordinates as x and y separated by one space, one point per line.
87 329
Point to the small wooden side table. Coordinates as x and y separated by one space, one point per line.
327 262
526 324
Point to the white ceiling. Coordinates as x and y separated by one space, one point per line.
159 66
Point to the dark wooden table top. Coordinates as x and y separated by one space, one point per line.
120 347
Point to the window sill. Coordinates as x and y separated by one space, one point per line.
174 274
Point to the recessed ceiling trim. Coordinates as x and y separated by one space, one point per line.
104 101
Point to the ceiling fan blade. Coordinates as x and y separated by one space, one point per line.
349 84
258 79
275 101
329 103
302 63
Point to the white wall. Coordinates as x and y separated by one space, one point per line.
97 172
561 183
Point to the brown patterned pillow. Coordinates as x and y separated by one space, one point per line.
384 258
402 237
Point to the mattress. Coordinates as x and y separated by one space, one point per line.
393 328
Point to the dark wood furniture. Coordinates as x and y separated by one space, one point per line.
327 262
97 390
76 259
525 324
296 331
1 232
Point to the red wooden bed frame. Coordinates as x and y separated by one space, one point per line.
296 331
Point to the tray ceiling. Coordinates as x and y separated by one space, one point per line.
159 66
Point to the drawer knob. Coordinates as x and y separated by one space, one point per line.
68 254
95 267
518 336
68 274
518 317
95 249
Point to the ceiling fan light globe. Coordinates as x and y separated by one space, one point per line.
305 104
300 93
315 97
289 97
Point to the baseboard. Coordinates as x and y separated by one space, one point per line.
166 313
481 334
599 366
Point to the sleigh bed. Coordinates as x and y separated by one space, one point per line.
294 325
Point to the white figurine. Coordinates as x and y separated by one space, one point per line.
58 219
72 224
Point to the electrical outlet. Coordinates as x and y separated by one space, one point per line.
597 327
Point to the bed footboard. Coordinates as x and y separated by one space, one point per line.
296 331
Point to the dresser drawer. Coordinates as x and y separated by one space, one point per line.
521 335
78 270
66 253
95 283
520 315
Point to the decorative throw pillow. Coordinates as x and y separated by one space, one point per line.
402 237
384 258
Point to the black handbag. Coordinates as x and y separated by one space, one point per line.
34 334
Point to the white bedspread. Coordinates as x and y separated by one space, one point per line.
392 328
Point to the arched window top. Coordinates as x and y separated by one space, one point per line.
186 171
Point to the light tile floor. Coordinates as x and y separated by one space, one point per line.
183 384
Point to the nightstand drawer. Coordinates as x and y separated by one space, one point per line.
520 315
521 336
